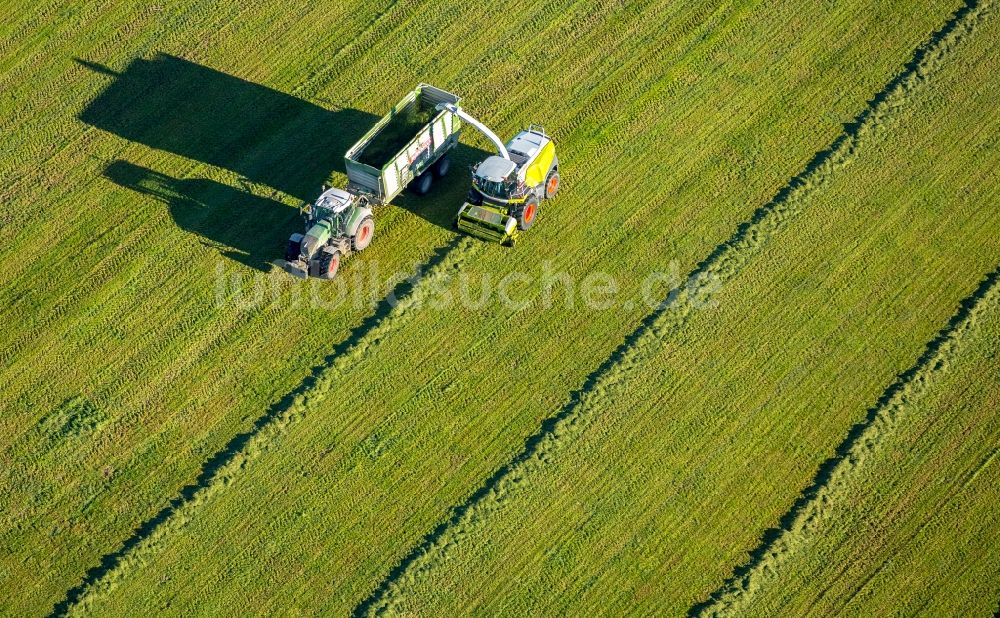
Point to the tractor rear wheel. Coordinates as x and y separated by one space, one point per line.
551 184
442 166
363 237
328 264
527 214
422 183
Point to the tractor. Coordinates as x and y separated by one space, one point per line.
337 224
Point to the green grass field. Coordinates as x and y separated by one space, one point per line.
807 424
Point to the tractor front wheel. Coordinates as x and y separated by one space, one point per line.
527 214
329 263
551 185
363 237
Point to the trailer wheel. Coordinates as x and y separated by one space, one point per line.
551 184
363 237
442 166
328 264
527 214
422 183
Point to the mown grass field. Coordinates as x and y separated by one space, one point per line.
823 175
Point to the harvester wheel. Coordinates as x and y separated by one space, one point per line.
328 264
528 213
422 183
442 166
551 185
363 237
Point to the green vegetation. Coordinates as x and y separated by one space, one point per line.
184 429
667 513
922 508
394 135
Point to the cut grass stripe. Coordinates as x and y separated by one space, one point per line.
723 263
832 482
220 470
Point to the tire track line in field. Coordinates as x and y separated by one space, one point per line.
934 519
817 502
722 264
219 471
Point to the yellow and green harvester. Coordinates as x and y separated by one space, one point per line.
508 188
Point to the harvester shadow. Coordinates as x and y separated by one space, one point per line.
441 204
824 473
244 227
212 466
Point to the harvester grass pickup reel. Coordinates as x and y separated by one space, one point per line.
509 187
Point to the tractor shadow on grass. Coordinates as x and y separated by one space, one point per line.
265 136
244 227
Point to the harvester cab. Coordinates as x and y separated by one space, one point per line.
508 188
337 224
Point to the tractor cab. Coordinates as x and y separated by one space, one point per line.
331 206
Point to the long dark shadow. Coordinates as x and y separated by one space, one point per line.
267 136
244 227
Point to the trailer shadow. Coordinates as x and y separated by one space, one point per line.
441 204
265 136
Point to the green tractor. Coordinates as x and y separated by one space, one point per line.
508 188
338 224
